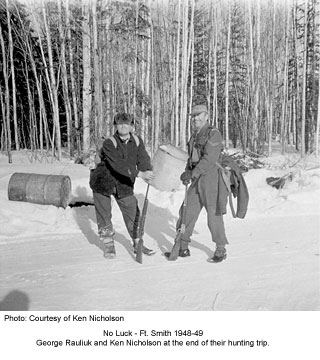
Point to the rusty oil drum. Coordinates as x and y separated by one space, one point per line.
40 189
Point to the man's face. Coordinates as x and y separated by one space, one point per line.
124 129
200 120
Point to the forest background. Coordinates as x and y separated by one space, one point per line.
67 66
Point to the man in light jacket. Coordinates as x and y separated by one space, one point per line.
202 173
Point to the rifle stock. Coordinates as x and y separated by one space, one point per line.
176 247
141 228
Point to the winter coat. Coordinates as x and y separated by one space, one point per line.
119 166
205 161
204 149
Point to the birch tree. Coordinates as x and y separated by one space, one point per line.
97 109
13 80
72 76
283 133
64 79
177 72
86 88
6 119
52 84
227 80
184 75
304 81
270 90
318 117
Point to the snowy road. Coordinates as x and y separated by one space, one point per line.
266 270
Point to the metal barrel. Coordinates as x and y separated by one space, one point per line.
168 163
40 189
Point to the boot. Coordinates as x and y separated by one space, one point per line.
106 235
183 251
219 255
145 250
109 250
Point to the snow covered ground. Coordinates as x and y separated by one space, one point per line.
51 258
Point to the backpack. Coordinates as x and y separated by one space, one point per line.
97 157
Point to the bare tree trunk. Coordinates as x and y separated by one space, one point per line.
304 82
210 56
271 83
41 129
156 116
153 97
172 51
254 77
86 89
112 89
177 77
64 78
227 80
135 85
53 85
50 93
13 80
189 58
318 117
285 89
315 7
215 77
106 78
3 139
96 73
72 79
33 133
296 80
184 76
191 75
7 99
145 122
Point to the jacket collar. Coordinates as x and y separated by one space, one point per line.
203 130
121 140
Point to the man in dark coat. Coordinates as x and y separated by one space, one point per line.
121 159
204 149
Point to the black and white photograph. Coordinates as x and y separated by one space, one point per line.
159 158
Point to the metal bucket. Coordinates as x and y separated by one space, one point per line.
168 164
40 189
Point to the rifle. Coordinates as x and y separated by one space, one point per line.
141 228
176 247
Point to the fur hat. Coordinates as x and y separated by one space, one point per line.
123 118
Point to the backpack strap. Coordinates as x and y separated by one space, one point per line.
112 138
114 142
136 139
97 158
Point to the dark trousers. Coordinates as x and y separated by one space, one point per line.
128 207
196 200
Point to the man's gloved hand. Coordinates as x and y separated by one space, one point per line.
186 177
